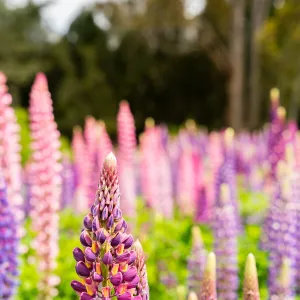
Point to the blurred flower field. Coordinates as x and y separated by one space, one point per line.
191 214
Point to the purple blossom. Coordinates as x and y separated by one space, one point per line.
108 265
225 233
8 247
196 262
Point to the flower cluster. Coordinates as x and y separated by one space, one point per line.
196 261
46 181
225 232
8 247
108 265
10 157
126 155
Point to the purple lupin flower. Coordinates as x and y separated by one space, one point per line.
284 281
227 175
250 286
8 247
165 205
140 263
276 141
208 284
281 227
68 184
225 233
107 263
196 262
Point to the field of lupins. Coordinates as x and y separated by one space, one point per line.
193 215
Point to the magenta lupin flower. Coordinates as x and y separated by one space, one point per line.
107 262
126 154
91 141
104 144
149 142
10 157
46 183
186 184
81 171
165 205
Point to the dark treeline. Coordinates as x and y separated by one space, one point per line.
167 66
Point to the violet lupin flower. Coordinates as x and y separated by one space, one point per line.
208 284
107 263
68 185
276 141
9 244
126 153
284 281
196 262
281 230
225 234
46 182
10 157
140 263
227 175
250 286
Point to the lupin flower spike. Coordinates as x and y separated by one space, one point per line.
9 243
284 280
226 245
143 288
275 98
250 288
196 261
82 170
127 147
208 285
107 263
46 171
192 296
10 157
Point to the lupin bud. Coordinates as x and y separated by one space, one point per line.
192 296
251 288
208 286
78 286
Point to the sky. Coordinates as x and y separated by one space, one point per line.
60 13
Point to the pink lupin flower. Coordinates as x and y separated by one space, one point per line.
104 144
186 184
91 141
127 148
81 170
164 182
46 183
10 157
149 151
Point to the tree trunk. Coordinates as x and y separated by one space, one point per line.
237 45
259 12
